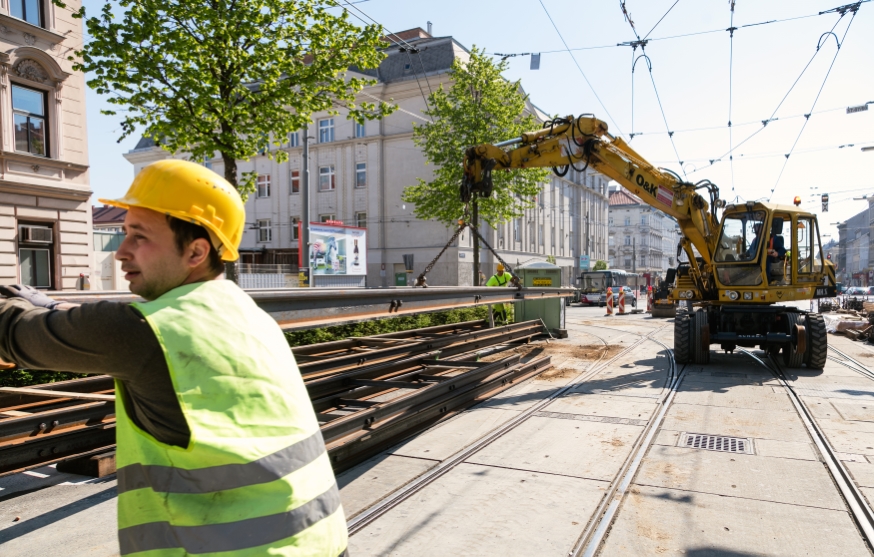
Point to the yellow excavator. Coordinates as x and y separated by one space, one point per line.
738 269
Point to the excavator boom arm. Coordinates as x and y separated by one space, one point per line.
584 141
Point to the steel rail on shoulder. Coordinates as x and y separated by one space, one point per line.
37 429
352 449
859 508
306 308
360 521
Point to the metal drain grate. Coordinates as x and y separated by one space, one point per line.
716 443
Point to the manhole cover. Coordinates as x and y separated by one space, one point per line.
716 443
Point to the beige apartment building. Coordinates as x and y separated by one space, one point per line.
45 216
642 239
357 175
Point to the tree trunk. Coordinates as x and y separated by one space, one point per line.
230 164
475 242
230 169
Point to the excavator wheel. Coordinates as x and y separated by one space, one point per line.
817 342
682 337
791 356
701 337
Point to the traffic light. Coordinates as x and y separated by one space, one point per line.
829 256
825 203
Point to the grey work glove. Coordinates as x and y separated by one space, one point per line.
30 294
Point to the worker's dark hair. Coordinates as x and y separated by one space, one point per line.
185 232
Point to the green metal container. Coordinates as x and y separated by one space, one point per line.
551 310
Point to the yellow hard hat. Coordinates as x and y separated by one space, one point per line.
500 268
190 192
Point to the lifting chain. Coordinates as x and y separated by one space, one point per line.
513 278
462 224
420 281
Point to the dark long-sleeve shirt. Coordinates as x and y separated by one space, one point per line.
103 337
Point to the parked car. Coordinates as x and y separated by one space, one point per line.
855 291
869 291
589 299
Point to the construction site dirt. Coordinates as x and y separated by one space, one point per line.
613 450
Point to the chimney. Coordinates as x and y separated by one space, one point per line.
429 29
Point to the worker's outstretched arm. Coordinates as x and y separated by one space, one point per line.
105 337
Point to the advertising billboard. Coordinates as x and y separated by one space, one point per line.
336 249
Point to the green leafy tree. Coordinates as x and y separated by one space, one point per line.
227 76
480 106
600 265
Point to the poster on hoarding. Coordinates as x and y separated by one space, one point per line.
337 250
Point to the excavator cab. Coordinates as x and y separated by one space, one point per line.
759 259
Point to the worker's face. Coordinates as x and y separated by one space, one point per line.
148 254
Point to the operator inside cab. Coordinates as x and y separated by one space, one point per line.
775 248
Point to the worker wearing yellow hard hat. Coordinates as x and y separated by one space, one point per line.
500 278
219 449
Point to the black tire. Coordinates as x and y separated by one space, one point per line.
817 342
682 337
792 358
701 337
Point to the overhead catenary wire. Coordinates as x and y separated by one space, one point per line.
642 44
403 46
765 122
574 58
671 37
854 9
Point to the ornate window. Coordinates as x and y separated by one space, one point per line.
32 82
29 119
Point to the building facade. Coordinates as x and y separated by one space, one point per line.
855 260
45 216
641 239
357 175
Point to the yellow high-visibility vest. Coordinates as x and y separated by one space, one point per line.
255 477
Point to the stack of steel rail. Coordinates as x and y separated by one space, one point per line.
368 392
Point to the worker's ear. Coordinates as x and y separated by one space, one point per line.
197 252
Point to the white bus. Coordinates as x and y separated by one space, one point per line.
594 285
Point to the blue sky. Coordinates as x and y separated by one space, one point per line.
691 75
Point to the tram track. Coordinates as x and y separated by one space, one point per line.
590 541
371 514
856 503
849 362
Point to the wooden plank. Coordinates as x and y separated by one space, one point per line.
13 414
56 394
96 466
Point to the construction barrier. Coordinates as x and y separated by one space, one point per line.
621 301
609 301
649 299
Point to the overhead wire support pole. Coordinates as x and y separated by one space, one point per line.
854 8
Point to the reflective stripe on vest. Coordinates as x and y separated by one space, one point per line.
214 538
256 473
272 467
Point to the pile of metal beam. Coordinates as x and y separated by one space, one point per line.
368 393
